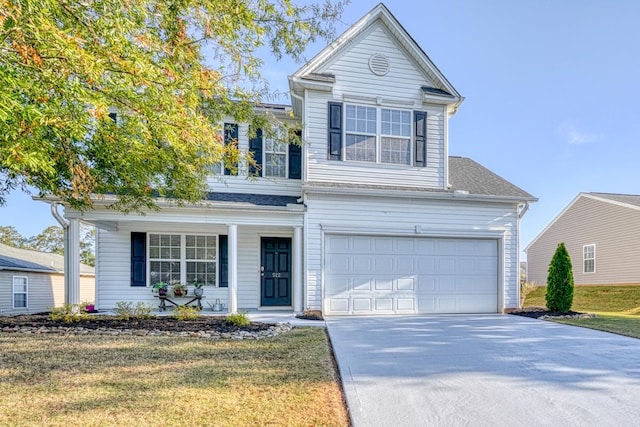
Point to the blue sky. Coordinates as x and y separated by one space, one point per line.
551 92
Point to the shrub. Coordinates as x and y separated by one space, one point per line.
185 312
237 319
68 313
559 296
125 310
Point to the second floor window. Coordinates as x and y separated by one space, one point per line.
275 158
376 135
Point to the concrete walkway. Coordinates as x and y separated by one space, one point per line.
486 370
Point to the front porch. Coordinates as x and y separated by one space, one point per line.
248 257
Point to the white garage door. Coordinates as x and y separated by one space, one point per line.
389 275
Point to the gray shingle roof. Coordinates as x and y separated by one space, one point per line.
630 199
253 199
435 91
23 259
468 175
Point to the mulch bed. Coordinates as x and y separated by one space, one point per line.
163 323
537 312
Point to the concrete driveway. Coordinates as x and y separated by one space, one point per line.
485 370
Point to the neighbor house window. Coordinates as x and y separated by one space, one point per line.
376 135
182 258
20 288
589 258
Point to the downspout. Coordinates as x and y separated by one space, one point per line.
521 213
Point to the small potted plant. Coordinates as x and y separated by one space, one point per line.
179 290
197 289
160 288
89 307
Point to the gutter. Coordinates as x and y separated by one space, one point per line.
524 210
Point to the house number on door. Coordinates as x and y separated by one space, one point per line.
275 274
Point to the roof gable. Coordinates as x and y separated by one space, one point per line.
380 18
629 201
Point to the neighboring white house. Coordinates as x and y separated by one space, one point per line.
32 281
370 216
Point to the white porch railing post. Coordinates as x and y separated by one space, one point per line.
72 261
298 288
233 268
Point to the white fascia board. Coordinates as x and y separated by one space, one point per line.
613 202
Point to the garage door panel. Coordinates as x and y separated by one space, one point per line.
406 284
384 284
383 265
362 304
362 284
373 274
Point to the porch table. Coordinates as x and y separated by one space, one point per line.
190 299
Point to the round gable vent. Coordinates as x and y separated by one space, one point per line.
379 64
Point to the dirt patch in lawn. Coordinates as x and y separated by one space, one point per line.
164 323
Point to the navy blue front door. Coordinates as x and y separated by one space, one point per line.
275 272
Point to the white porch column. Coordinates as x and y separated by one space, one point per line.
233 268
72 262
298 288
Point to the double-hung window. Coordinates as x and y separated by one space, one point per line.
183 258
20 291
376 134
275 157
589 258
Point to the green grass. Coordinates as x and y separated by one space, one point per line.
97 380
617 307
595 298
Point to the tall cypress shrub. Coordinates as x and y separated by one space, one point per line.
559 296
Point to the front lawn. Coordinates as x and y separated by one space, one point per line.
617 307
97 380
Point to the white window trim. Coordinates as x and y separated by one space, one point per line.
13 292
584 259
378 135
264 159
183 255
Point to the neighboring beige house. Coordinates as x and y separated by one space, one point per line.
32 281
602 234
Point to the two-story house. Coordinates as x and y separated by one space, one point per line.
369 216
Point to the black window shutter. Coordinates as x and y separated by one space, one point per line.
223 241
295 159
230 135
255 146
138 259
335 131
420 135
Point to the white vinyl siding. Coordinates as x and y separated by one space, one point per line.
280 186
20 291
114 259
589 258
427 218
